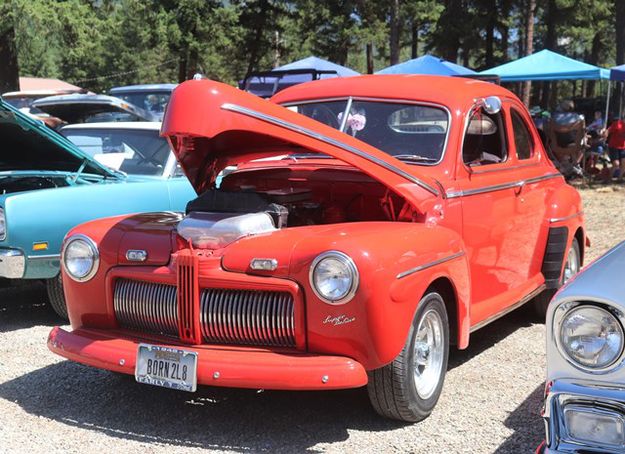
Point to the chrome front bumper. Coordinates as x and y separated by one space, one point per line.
593 397
12 263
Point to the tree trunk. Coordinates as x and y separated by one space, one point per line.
529 45
490 34
258 34
395 27
182 67
369 51
414 42
504 30
593 59
9 69
550 43
619 22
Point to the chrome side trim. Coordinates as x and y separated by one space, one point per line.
488 169
566 218
500 187
330 141
425 266
508 309
44 257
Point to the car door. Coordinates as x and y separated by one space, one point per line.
487 185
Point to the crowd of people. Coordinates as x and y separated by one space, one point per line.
577 149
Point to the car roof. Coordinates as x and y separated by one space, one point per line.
143 125
143 87
444 90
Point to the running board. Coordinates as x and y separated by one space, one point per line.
508 309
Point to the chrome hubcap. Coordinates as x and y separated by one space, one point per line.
571 267
428 353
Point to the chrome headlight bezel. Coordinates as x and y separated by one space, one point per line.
350 266
3 225
567 310
95 254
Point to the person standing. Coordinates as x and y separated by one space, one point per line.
616 147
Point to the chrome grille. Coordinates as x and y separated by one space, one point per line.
247 317
146 306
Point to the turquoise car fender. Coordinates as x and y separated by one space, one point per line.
44 217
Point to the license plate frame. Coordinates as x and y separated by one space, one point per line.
167 367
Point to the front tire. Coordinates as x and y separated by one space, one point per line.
56 297
408 388
572 266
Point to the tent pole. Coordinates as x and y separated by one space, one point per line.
607 104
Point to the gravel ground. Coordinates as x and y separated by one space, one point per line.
490 402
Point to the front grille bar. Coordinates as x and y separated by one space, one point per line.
247 317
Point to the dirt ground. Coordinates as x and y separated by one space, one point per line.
490 403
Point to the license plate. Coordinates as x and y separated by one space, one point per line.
167 367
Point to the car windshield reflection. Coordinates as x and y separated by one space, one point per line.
414 133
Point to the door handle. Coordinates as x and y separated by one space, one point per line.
519 188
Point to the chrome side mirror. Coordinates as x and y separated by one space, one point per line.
490 104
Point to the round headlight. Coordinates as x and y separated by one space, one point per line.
591 337
80 258
334 277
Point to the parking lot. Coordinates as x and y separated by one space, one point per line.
490 403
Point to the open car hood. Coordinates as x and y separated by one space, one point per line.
28 144
78 108
211 125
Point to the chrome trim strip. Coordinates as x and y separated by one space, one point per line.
330 141
566 218
416 269
389 100
508 309
488 169
44 257
500 187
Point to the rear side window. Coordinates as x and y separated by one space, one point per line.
522 137
484 140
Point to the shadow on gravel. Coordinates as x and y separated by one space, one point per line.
528 426
491 334
25 306
237 420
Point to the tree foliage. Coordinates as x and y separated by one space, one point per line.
100 43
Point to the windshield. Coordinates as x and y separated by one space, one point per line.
136 152
414 133
154 101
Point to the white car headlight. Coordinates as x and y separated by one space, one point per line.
80 258
3 225
591 337
334 277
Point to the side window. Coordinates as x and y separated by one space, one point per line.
522 136
485 139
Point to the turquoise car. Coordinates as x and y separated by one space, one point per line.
48 185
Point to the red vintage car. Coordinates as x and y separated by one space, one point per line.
346 233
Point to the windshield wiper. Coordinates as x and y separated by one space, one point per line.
414 158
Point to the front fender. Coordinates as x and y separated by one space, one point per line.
373 326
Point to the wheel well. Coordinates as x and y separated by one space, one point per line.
445 288
579 236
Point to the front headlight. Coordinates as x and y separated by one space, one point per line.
3 225
334 277
591 337
80 258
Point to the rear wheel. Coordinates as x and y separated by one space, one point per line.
572 266
56 297
408 388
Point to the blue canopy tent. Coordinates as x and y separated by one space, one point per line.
617 73
428 64
267 83
318 64
548 65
